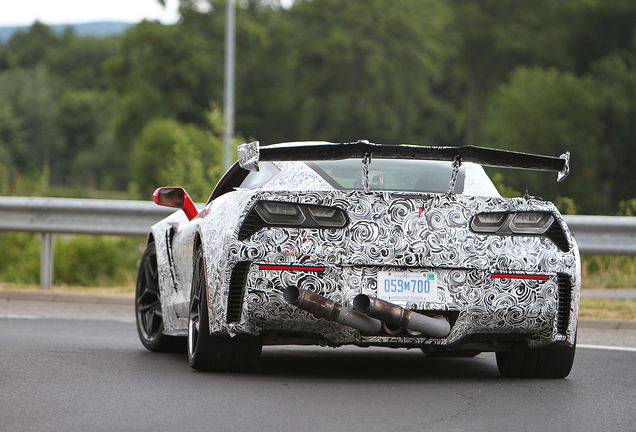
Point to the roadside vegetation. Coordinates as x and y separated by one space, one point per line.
606 271
116 117
615 309
79 260
86 116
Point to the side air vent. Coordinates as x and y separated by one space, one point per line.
250 225
235 295
565 301
556 234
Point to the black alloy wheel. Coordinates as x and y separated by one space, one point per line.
194 319
148 307
215 353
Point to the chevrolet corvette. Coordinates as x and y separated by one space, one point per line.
364 244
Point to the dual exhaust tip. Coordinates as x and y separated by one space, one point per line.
369 314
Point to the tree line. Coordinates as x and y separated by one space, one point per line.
127 113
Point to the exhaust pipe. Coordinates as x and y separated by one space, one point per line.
397 316
392 330
322 307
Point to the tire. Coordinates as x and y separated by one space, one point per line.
215 353
148 307
552 361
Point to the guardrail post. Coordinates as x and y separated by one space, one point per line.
46 261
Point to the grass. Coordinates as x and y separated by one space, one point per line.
79 260
615 309
124 291
608 271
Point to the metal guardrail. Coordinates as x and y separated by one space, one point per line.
79 216
76 216
602 235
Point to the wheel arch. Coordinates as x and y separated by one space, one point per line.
197 242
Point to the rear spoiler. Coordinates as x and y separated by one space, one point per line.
250 154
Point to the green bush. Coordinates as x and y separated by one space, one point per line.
78 260
608 271
96 260
20 257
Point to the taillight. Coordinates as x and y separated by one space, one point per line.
279 213
530 223
512 222
328 217
285 214
488 222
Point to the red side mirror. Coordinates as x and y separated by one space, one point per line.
175 197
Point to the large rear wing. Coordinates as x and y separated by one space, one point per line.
250 154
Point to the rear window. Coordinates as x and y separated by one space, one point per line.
389 174
256 179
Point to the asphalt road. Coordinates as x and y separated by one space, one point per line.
85 370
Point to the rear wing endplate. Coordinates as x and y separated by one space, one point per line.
250 154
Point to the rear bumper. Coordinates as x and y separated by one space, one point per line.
481 307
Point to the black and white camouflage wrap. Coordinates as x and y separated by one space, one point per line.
408 231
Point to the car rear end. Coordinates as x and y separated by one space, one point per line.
495 269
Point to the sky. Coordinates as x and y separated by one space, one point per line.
25 12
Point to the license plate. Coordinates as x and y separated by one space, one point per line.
403 287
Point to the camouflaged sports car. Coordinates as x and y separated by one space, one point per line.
363 244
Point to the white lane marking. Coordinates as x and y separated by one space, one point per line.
606 347
33 317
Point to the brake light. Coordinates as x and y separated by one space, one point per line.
488 222
327 216
277 213
293 215
518 276
530 223
282 267
512 223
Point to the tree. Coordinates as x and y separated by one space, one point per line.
161 72
163 148
79 118
78 60
594 116
27 49
600 28
32 94
369 70
85 120
56 91
338 70
497 36
9 132
199 169
548 112
614 95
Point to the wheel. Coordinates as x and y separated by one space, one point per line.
552 361
215 353
148 307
